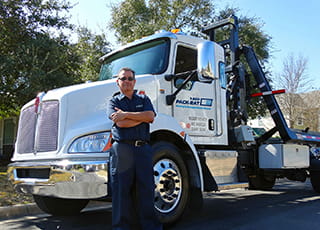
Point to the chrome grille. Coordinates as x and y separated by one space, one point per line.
47 135
38 133
26 130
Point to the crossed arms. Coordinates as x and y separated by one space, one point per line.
130 119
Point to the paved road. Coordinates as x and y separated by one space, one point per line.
289 206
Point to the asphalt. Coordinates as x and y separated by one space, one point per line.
15 211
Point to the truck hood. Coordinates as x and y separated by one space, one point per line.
83 109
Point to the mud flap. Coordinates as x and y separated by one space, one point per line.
209 182
196 199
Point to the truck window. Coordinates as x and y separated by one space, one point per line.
148 58
186 60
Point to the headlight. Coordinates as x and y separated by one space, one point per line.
94 143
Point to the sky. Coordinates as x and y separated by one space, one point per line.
292 24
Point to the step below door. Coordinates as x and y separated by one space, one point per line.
222 165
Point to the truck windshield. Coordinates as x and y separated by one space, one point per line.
147 58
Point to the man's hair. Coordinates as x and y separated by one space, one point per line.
127 69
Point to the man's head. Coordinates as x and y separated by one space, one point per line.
126 80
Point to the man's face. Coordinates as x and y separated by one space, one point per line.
126 81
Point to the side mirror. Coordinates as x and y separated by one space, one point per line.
206 61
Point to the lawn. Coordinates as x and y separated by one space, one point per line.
7 194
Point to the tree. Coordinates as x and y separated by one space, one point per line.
294 79
251 34
294 76
33 55
89 48
133 19
310 115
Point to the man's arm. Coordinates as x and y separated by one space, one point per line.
127 123
144 116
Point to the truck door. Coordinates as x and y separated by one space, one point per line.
195 105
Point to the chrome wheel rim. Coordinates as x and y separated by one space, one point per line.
168 185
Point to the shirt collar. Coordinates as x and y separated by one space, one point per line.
122 96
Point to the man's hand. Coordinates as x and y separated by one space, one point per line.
118 116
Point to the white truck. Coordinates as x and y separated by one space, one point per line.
200 137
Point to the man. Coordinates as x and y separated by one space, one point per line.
131 162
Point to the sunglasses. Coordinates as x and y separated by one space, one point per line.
126 78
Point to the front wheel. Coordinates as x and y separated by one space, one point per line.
171 181
58 206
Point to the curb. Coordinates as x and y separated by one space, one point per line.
8 212
20 210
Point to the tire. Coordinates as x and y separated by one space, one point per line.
261 182
315 180
171 183
58 206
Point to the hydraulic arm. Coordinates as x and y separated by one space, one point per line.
237 87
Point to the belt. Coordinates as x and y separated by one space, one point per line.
136 143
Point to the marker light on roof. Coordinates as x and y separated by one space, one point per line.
175 31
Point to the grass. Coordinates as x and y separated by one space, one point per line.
7 194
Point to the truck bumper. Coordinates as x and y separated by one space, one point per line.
69 179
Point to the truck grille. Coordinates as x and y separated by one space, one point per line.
45 125
26 130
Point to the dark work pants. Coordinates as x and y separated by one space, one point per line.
131 167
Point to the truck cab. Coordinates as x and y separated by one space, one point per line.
61 152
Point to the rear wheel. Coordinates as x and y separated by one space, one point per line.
261 182
58 206
171 181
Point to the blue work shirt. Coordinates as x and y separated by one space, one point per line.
138 103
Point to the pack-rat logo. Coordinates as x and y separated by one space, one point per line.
194 102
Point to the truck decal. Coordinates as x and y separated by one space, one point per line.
195 103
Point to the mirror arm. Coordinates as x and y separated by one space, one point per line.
169 77
171 97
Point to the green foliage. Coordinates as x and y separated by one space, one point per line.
37 65
36 56
250 34
31 58
89 48
133 19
